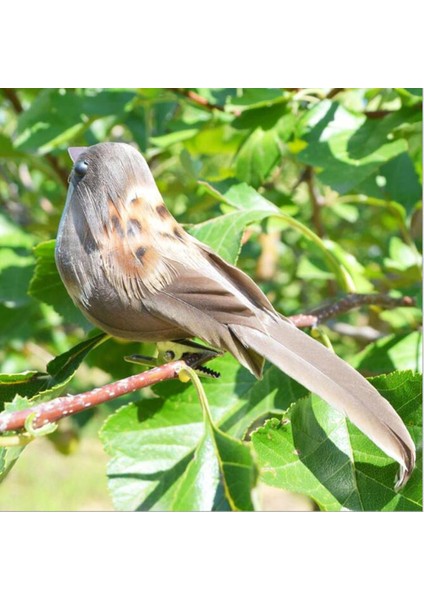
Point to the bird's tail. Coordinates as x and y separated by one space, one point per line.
327 375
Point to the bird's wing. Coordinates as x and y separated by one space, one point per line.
224 307
206 305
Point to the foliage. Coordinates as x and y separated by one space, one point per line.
313 193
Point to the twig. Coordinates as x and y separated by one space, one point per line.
380 114
377 114
196 98
62 173
334 92
347 303
54 410
13 98
317 201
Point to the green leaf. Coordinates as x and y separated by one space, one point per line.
151 444
237 470
391 352
257 156
13 236
223 234
59 115
7 150
313 450
352 266
42 386
264 116
169 139
61 369
161 446
10 454
198 485
217 456
216 141
18 403
244 197
237 399
26 384
103 103
46 285
8 458
341 172
403 318
313 268
402 256
10 153
338 144
375 133
55 116
16 266
262 149
348 212
64 366
402 181
415 91
22 390
109 357
326 119
255 98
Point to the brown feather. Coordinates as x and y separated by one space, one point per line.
138 275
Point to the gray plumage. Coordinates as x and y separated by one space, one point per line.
137 274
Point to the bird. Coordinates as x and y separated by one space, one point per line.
137 274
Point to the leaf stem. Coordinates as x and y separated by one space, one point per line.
342 275
191 373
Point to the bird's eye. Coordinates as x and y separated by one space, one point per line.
80 168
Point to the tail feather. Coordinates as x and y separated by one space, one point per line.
327 375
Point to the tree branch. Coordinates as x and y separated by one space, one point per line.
317 201
333 92
196 98
54 410
347 303
13 98
380 114
62 173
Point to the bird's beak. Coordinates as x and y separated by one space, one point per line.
74 152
